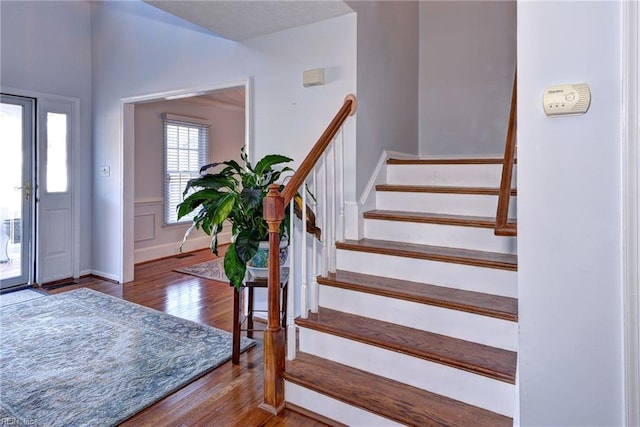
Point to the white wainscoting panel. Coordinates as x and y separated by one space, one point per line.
144 227
154 240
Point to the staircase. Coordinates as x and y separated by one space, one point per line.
418 325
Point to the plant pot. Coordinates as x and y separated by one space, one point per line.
257 265
261 258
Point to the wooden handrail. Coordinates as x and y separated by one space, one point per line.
503 227
273 207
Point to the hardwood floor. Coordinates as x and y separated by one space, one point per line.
227 396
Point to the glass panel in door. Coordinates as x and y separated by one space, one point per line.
16 198
54 228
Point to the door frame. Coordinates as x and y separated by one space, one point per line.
127 159
74 175
630 162
27 250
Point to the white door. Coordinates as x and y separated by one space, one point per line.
16 198
55 230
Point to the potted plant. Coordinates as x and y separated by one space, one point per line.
234 193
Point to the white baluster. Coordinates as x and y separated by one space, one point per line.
291 289
341 225
332 215
304 293
325 221
314 252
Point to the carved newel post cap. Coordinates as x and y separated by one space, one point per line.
273 205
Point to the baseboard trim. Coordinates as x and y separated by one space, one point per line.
152 253
95 276
104 276
314 416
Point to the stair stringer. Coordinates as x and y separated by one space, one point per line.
354 209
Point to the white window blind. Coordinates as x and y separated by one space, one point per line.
186 147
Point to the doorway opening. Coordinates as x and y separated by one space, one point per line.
147 234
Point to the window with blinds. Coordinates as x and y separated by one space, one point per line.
186 149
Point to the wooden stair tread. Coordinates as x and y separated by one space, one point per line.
388 398
480 359
433 253
434 218
482 191
468 301
479 161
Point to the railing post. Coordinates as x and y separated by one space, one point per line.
274 339
502 227
273 207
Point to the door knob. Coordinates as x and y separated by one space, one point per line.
27 190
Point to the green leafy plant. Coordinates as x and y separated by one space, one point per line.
234 193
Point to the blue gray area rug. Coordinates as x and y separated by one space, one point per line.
83 358
19 296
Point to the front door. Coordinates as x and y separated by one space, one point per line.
16 190
56 234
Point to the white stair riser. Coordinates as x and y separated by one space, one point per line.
470 278
482 239
447 175
332 408
442 203
484 392
454 323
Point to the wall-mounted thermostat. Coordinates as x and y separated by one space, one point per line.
565 100
313 77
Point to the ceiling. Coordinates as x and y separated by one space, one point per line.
240 20
230 97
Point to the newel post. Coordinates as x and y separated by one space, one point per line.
274 339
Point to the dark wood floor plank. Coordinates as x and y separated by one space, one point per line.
433 253
488 161
472 302
227 396
480 359
434 218
483 191
405 404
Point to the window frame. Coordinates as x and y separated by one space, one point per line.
184 124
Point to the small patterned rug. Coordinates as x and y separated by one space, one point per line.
213 270
83 358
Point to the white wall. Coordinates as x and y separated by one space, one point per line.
46 48
152 238
467 62
140 50
387 82
569 218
